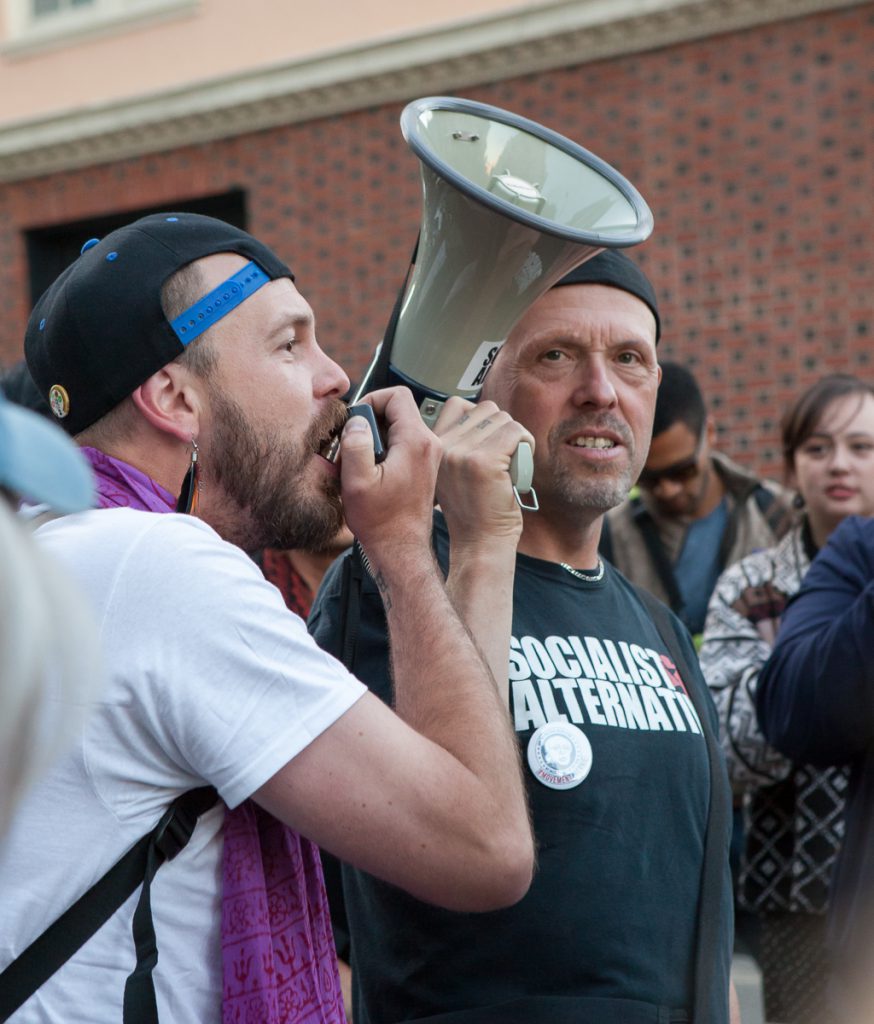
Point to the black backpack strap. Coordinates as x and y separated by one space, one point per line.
351 583
718 818
51 950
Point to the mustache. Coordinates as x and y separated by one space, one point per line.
598 421
326 426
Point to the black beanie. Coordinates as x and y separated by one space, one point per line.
612 267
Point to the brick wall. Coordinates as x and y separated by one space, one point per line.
754 149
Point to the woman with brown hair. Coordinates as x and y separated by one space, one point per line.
793 813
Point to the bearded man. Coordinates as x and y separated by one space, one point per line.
180 354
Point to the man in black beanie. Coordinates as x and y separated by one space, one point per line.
629 917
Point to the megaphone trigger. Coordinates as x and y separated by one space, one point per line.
522 477
365 411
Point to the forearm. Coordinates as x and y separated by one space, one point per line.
445 690
431 798
438 667
480 587
439 813
459 634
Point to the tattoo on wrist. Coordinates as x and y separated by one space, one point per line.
382 586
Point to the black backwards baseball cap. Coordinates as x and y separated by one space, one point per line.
99 331
612 267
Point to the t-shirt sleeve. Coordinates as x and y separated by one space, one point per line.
224 679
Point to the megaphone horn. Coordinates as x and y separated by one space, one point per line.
510 207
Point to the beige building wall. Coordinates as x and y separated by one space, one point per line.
85 57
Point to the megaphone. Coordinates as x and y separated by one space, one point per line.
509 208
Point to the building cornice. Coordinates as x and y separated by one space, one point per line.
557 34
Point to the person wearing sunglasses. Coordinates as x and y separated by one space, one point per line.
694 511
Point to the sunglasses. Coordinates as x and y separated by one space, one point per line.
680 472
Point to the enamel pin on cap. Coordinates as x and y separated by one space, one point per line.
559 755
59 400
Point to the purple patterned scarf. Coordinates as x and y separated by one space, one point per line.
278 960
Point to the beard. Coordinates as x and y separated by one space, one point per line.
262 475
594 489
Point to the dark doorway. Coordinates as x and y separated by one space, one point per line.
51 250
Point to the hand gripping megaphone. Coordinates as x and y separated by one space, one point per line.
509 208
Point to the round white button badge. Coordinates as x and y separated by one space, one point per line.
559 755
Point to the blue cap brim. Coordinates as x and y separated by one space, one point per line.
40 463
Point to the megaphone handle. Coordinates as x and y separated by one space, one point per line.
522 475
521 464
522 467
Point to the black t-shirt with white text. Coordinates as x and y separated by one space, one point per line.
618 782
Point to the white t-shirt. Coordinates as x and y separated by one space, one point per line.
210 680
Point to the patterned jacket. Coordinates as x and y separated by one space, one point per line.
793 813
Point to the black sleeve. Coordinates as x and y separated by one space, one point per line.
815 698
